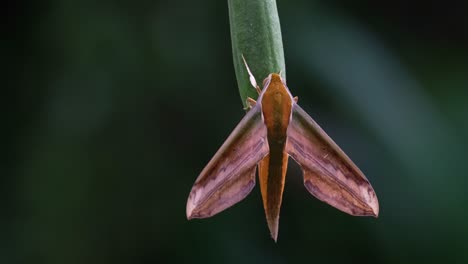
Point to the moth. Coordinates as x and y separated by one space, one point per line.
275 128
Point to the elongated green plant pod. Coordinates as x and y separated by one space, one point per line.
255 34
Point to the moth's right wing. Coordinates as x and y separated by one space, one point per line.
329 174
230 175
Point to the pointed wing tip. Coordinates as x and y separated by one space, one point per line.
374 205
192 210
189 209
371 209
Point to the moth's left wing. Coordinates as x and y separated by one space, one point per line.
329 174
230 175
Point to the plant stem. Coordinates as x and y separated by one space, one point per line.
256 34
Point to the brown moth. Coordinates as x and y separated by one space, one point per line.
273 129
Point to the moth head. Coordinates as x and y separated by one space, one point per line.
273 78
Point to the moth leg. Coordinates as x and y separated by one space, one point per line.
250 103
253 82
296 99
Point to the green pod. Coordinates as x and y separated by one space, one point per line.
255 34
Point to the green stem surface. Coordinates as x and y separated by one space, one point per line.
256 34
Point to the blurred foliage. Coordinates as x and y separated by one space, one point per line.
117 106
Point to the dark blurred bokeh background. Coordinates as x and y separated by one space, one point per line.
115 107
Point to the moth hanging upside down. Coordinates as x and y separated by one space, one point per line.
275 128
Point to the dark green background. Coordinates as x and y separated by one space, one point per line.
116 106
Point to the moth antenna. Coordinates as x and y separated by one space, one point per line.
253 82
279 73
